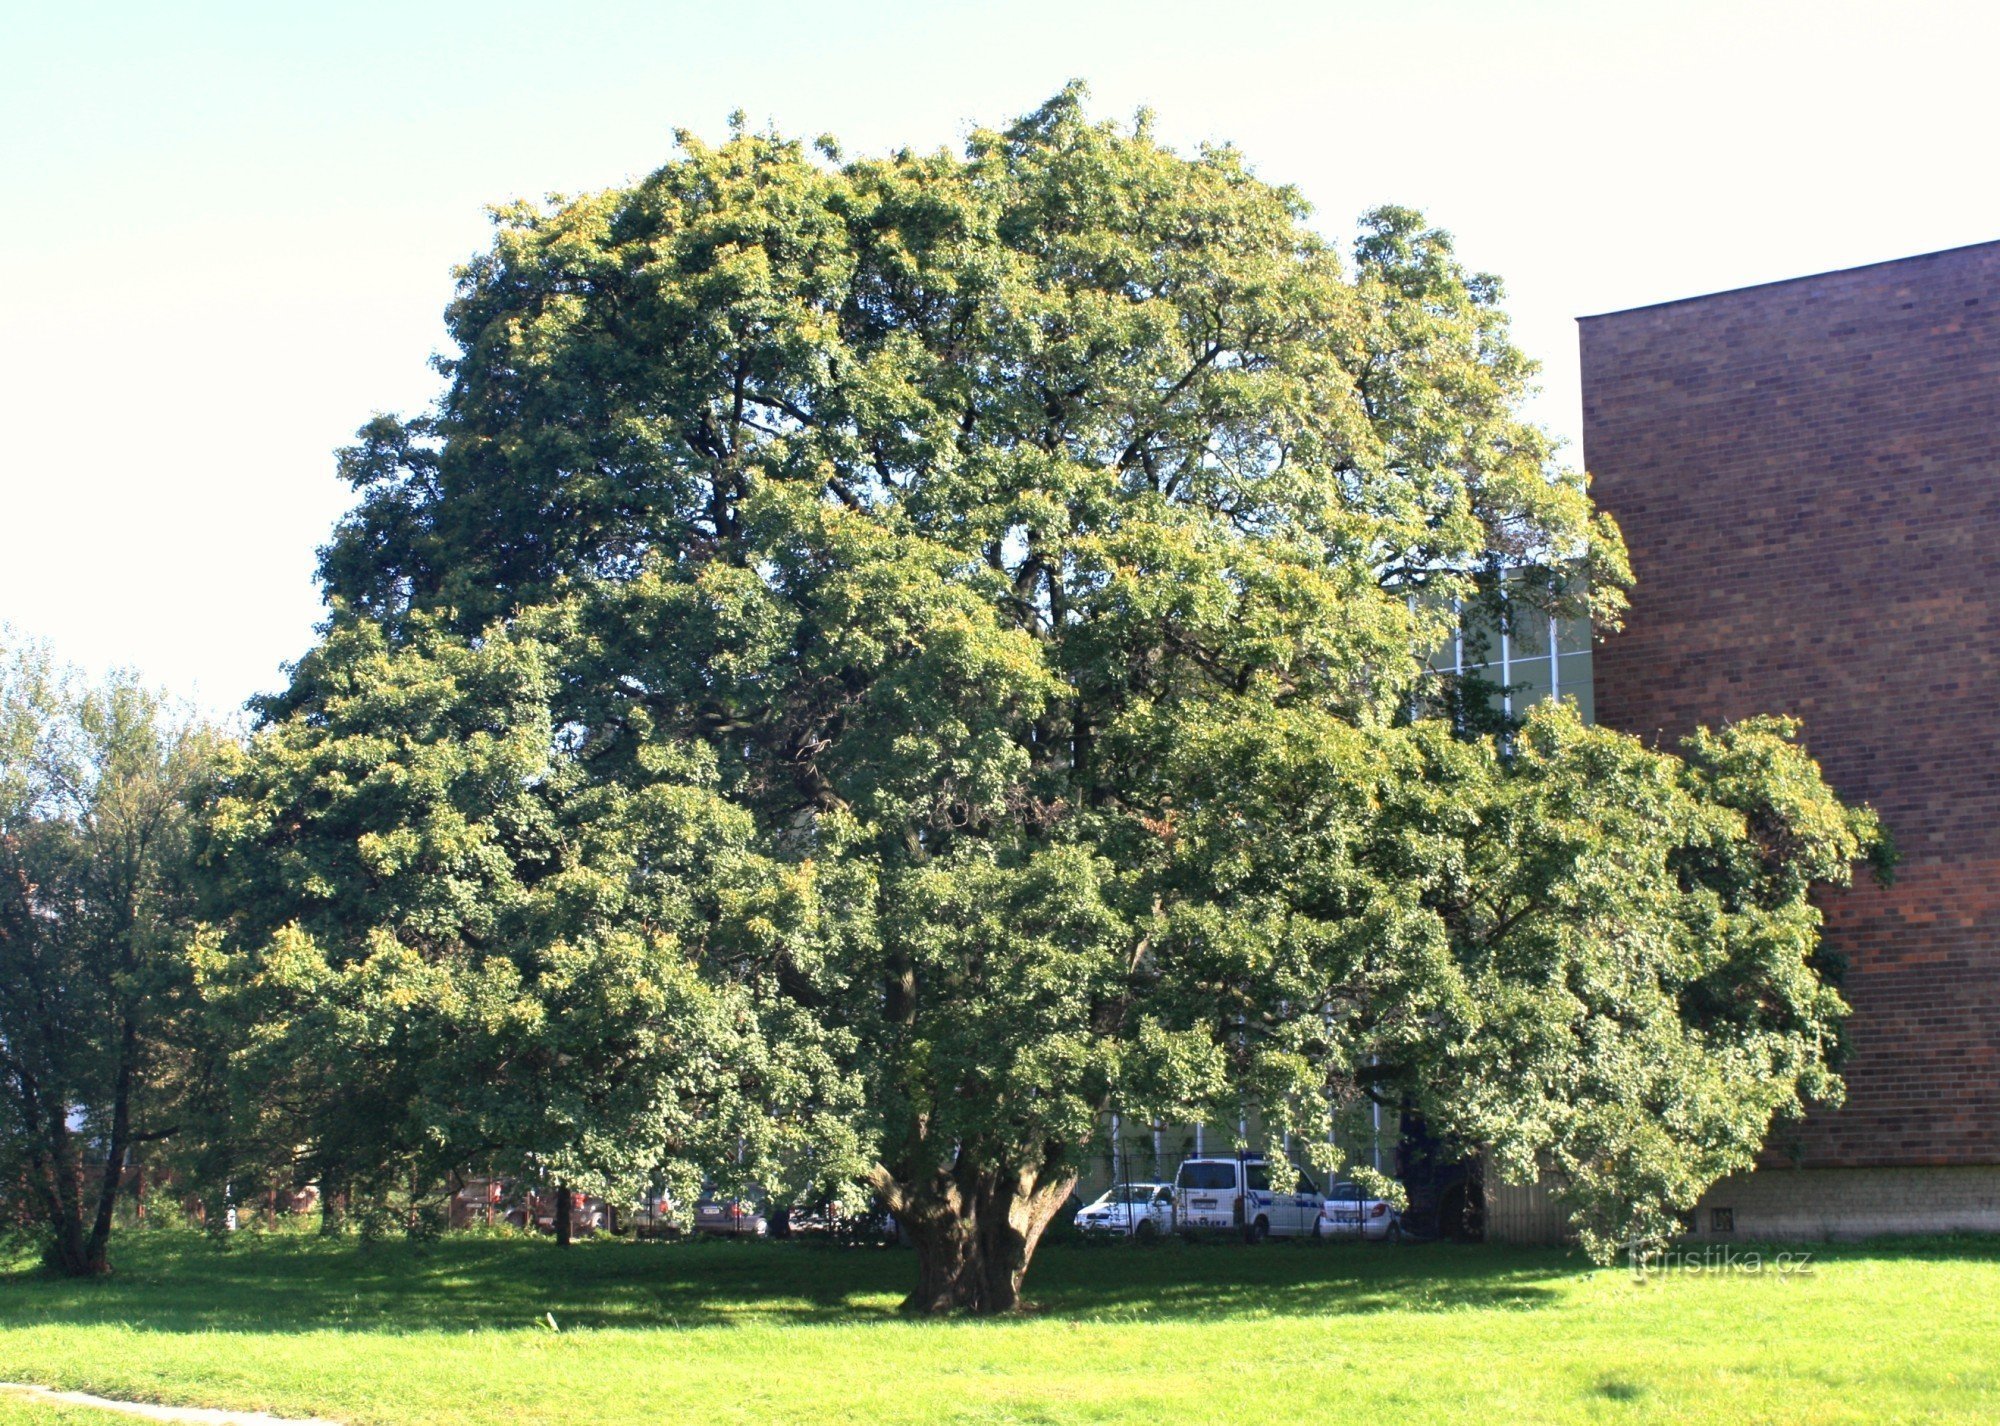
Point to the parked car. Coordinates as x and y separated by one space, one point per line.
1348 1211
1235 1195
1130 1210
730 1217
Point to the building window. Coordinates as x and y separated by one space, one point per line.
1529 655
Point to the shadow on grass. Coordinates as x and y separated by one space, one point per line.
174 1282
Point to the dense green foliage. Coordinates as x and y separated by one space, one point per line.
1589 957
474 956
458 1332
97 784
889 660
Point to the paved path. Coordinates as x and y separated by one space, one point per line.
200 1415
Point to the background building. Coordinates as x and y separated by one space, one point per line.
1808 474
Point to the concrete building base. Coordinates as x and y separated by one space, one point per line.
1833 1204
1794 1205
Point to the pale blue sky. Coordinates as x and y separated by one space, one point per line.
228 229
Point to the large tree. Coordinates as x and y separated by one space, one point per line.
1041 546
96 785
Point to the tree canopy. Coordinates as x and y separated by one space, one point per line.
961 620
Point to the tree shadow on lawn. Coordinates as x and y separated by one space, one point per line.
284 1283
1221 1278
173 1282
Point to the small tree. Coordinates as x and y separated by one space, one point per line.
95 789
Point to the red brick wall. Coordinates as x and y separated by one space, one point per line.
1808 474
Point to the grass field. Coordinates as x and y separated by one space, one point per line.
1300 1334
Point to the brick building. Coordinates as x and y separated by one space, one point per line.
1808 474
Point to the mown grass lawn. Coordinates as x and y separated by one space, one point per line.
724 1332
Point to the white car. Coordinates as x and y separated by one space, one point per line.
1130 1210
1349 1212
1234 1195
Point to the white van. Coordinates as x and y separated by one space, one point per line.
1235 1195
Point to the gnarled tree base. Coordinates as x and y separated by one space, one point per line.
974 1242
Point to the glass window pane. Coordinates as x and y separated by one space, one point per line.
1481 624
1482 647
1530 632
1574 669
1530 682
1572 636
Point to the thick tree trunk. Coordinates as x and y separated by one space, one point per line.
562 1215
73 1250
71 1253
975 1240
